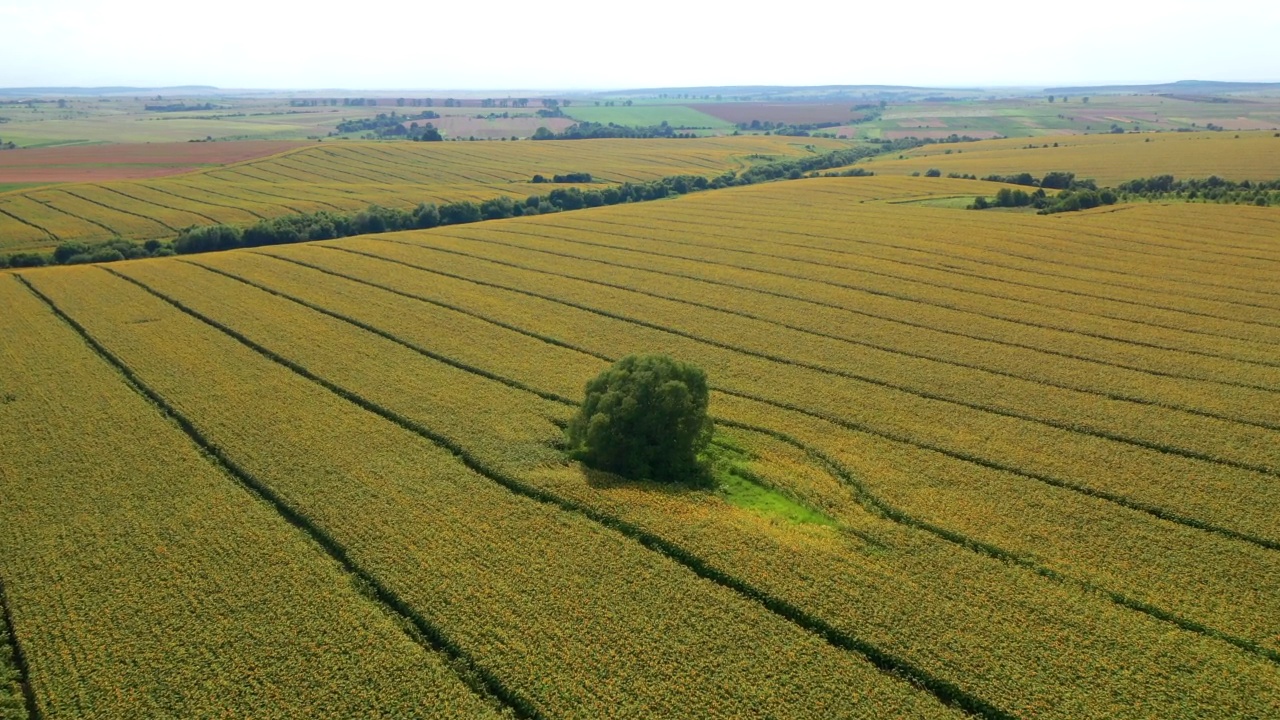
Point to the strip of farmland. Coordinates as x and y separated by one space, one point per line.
143 581
884 364
913 339
350 176
920 228
831 240
925 416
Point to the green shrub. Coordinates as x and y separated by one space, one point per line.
645 418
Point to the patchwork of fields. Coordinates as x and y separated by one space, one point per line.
325 479
1107 158
352 175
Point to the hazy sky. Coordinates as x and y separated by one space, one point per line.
504 44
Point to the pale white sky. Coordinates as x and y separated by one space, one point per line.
512 44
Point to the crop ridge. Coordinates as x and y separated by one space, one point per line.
49 204
943 690
881 507
338 162
1086 235
113 208
1038 233
384 334
117 191
909 298
210 191
839 338
320 167
481 682
168 190
258 189
19 658
978 338
861 493
928 395
857 288
941 286
28 223
1129 503
686 220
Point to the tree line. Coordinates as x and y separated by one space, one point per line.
1085 194
326 225
1211 189
385 125
597 131
1073 194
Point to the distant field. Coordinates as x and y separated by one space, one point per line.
1047 446
679 116
787 113
1037 117
1108 158
96 163
350 175
125 120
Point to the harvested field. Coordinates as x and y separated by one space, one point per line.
100 163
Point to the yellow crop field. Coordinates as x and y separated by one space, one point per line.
1014 465
347 176
167 562
1106 158
452 544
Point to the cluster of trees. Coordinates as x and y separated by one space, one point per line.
780 128
1211 189
646 418
78 253
595 131
385 125
1053 181
1075 194
850 172
1081 199
428 133
574 177
1085 194
517 102
8 145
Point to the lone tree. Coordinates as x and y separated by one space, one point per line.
645 418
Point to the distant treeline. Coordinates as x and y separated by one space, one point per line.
575 177
597 131
1211 189
781 128
385 125
1085 194
326 225
179 107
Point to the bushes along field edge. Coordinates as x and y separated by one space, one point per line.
325 225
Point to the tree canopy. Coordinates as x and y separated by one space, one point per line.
645 418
